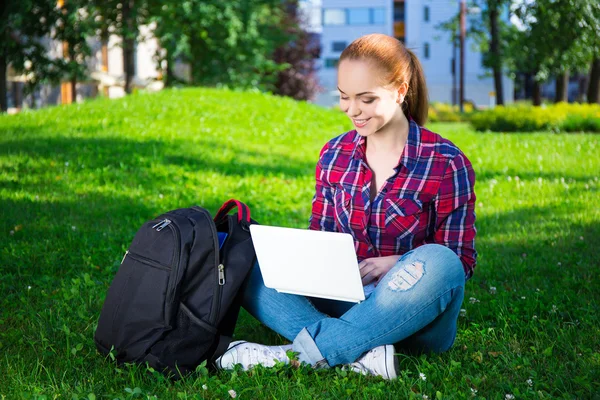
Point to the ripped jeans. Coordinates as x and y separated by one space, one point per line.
415 306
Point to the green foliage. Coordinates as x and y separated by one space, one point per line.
443 112
227 43
22 25
525 118
559 35
76 182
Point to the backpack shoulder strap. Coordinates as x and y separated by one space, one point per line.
243 211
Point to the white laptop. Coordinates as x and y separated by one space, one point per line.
309 263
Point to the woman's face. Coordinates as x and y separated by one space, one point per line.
369 105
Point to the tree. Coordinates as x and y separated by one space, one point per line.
555 40
489 34
298 79
74 26
225 42
23 24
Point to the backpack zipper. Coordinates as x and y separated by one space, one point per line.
176 266
161 225
220 272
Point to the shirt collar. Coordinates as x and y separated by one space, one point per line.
410 154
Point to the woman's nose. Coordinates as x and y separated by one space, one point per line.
353 109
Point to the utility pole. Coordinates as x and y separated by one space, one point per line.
463 33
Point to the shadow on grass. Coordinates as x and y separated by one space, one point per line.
121 153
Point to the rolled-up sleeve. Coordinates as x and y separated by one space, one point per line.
455 211
322 214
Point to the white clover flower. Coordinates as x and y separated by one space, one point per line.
529 382
74 227
473 300
473 392
422 376
12 233
160 196
523 297
509 178
232 393
509 396
580 237
66 164
517 178
425 397
463 312
493 289
204 387
28 287
554 308
535 317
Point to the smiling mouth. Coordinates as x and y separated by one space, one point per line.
359 123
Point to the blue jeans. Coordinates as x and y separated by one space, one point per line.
415 306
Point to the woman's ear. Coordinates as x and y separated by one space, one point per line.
402 90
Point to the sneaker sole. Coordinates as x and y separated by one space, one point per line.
391 362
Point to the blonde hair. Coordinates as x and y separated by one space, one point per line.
399 64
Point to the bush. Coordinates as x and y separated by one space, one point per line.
524 118
443 112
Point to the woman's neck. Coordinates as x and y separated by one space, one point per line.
392 137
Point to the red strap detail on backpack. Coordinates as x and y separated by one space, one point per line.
243 211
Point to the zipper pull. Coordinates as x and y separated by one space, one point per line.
127 252
161 225
221 274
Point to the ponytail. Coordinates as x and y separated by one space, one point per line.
416 98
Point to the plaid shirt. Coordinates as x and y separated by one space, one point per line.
429 198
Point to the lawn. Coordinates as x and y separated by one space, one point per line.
76 182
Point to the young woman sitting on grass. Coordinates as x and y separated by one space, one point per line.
406 196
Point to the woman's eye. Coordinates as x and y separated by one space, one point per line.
368 101
344 98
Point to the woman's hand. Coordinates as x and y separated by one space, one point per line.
373 269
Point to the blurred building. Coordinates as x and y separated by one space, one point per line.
414 22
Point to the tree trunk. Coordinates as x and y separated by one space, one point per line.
496 55
593 94
129 34
562 86
3 86
74 89
169 72
537 93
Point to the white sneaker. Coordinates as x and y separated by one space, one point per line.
379 361
251 354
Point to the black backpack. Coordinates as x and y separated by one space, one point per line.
175 299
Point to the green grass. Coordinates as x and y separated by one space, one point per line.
76 183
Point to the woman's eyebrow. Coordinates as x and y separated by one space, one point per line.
359 94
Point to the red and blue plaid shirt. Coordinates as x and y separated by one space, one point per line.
429 198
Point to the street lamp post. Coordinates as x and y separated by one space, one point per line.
463 33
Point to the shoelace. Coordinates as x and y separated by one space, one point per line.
268 355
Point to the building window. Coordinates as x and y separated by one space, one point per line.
334 16
359 16
378 16
398 11
426 13
338 46
426 51
331 62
